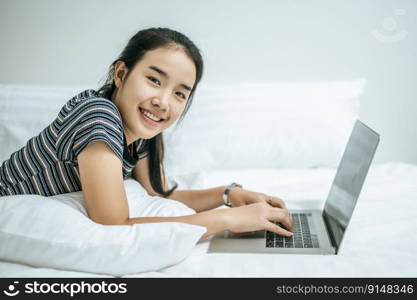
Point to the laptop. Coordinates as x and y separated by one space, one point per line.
315 231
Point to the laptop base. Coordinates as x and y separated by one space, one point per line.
254 242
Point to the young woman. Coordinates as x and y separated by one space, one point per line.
99 138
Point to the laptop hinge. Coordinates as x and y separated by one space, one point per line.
330 232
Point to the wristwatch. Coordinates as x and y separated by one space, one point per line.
226 193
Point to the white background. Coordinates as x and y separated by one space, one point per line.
74 42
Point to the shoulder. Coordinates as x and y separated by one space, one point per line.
89 102
88 117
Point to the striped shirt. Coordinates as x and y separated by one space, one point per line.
47 165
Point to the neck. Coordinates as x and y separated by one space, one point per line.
129 138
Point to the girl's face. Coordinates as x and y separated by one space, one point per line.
159 84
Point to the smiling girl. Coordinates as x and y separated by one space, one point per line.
102 137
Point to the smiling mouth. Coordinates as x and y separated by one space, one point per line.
148 117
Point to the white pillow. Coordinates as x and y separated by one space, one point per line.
282 125
303 124
55 232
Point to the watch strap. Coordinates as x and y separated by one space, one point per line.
226 200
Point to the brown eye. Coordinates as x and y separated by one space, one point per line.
182 95
154 80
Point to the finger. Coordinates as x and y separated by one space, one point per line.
277 229
277 202
282 216
289 220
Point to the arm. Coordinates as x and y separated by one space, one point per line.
106 202
199 200
214 221
105 197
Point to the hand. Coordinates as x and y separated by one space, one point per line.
257 216
239 197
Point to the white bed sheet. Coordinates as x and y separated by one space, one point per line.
8 269
381 240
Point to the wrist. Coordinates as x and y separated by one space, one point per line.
234 196
218 220
223 218
222 190
227 193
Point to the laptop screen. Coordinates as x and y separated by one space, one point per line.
349 180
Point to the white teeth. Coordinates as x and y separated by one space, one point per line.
150 116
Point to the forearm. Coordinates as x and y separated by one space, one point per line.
200 200
214 220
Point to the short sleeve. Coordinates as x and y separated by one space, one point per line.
142 148
95 119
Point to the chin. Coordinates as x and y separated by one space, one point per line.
149 136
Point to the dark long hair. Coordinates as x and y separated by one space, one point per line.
143 41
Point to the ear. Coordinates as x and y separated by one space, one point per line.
120 72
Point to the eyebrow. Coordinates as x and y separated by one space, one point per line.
163 73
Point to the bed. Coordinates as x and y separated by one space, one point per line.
294 158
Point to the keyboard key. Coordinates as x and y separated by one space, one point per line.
315 241
302 237
269 244
298 245
279 244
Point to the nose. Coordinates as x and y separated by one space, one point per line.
162 101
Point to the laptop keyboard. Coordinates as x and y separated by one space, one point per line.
302 237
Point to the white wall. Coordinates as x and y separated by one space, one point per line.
73 42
